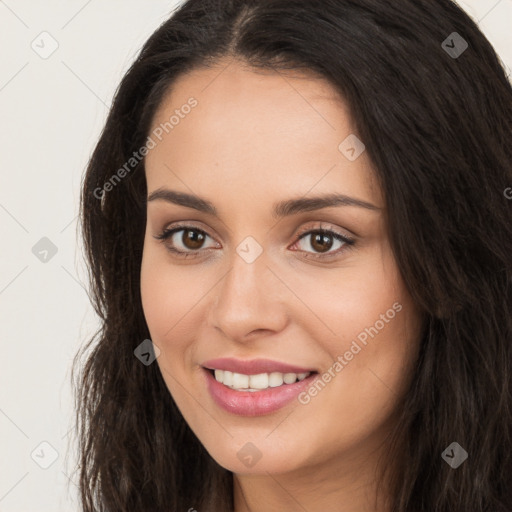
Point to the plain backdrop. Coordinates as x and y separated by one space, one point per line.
52 109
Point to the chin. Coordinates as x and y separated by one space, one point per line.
249 459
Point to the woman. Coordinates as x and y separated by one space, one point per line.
299 239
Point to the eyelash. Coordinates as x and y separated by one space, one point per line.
348 242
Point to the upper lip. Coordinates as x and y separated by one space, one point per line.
253 366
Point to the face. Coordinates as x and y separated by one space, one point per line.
244 282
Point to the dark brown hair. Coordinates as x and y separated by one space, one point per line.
437 128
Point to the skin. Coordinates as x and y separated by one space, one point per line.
256 138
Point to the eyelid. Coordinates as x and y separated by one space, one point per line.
347 240
324 227
167 232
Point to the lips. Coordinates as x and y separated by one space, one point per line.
254 367
254 402
246 403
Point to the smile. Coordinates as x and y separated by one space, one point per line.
241 382
254 388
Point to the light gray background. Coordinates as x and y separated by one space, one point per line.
52 111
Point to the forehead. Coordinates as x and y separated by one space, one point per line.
262 131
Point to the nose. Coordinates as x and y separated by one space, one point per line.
249 299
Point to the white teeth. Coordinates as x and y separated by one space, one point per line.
227 378
275 379
242 382
289 378
259 381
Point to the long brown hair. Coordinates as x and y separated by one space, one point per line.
437 126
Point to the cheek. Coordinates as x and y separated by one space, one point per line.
167 299
347 305
168 303
349 300
371 361
373 325
166 292
172 308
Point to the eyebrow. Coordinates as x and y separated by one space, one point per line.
281 209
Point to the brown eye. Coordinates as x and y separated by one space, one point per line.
192 238
189 244
321 242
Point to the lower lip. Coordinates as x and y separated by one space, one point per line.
255 403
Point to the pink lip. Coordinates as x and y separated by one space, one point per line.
253 367
257 403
